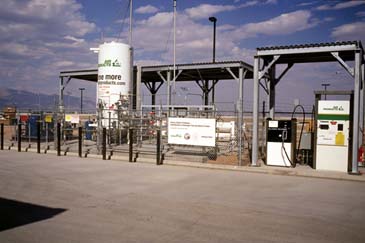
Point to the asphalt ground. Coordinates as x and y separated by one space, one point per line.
45 198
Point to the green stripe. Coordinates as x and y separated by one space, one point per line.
333 117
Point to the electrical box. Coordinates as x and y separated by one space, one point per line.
280 142
306 141
332 135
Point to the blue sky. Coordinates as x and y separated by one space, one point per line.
40 38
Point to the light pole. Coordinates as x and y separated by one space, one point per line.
325 90
81 90
214 20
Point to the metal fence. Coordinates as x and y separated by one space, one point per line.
134 136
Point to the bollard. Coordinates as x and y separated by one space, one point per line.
38 137
80 142
19 137
2 136
58 139
103 149
130 145
158 148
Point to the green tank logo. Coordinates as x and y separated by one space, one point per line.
109 63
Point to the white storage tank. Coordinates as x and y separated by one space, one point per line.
114 78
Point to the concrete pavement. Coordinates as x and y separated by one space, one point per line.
46 198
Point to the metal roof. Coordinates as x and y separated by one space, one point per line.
190 71
316 52
326 44
88 75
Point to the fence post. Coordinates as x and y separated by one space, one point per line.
58 139
38 137
103 150
2 136
158 148
19 137
80 142
130 145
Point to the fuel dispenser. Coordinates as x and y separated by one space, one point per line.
333 133
281 142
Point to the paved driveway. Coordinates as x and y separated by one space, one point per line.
45 198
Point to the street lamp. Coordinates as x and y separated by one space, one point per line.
81 90
214 20
325 90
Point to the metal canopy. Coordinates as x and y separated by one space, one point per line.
268 57
154 76
189 72
88 75
198 71
307 53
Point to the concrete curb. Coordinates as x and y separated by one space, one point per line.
273 171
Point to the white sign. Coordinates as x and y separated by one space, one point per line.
73 118
334 107
191 131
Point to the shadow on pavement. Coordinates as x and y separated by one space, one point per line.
15 213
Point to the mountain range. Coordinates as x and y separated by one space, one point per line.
25 101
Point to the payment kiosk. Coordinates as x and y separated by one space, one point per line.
333 135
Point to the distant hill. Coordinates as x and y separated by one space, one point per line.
25 100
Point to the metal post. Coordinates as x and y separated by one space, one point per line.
104 144
60 96
363 102
174 57
19 137
158 148
109 127
47 135
255 127
130 21
39 137
168 88
240 115
325 90
206 92
80 142
130 145
82 91
214 20
272 84
356 109
29 140
58 139
2 136
138 88
153 95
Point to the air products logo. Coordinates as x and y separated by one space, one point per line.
109 63
334 108
116 63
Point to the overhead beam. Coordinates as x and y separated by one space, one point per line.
232 74
264 71
277 80
343 63
161 76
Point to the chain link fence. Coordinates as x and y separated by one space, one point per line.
133 135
